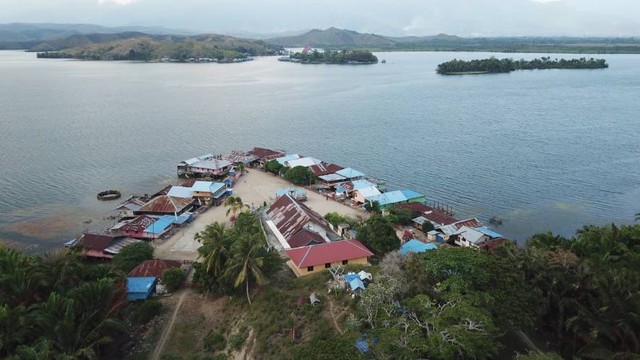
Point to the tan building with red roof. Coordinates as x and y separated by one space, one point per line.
312 259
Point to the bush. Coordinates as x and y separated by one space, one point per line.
214 341
132 255
143 313
427 226
300 175
172 278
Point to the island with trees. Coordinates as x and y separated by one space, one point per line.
342 57
493 65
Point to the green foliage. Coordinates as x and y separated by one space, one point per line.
337 57
378 235
214 341
334 219
400 216
54 306
143 312
300 175
427 226
273 166
591 286
538 356
334 347
233 257
173 278
132 255
493 65
372 207
234 204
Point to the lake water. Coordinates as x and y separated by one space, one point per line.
547 150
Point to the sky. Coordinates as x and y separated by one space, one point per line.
388 17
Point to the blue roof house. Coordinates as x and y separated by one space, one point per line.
140 288
350 173
413 197
388 199
415 246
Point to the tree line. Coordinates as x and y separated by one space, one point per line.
493 65
336 57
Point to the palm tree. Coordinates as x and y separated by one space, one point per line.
638 217
247 262
215 247
235 204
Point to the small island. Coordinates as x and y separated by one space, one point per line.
342 57
493 65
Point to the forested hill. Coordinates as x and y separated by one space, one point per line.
339 38
144 47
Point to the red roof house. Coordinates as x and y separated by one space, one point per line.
314 258
324 169
93 245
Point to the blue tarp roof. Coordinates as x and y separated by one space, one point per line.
391 197
410 194
415 246
363 343
349 173
140 284
488 232
356 283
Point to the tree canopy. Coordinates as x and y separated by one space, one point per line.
300 175
132 255
378 234
493 65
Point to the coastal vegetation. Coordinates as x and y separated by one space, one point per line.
335 57
300 175
493 65
143 47
231 258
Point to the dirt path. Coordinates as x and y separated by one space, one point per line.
167 330
333 317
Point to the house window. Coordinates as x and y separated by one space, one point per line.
345 262
310 269
327 265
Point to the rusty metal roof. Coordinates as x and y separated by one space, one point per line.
153 268
97 242
290 216
266 154
165 204
324 169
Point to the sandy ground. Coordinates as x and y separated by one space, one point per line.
255 188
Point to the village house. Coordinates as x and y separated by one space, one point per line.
351 174
320 257
284 159
265 155
127 208
166 205
208 191
213 168
295 225
184 166
323 169
305 161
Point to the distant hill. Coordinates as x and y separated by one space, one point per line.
145 47
27 35
333 37
338 38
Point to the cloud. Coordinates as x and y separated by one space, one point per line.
117 2
545 1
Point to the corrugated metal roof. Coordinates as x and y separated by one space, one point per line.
410 194
332 177
197 159
117 245
438 217
286 158
96 242
350 173
328 253
488 232
166 204
132 204
159 226
291 191
471 235
369 192
266 154
181 192
214 164
305 161
207 186
140 284
362 183
388 198
290 216
415 246
153 268
324 169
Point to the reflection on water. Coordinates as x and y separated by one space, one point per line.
543 150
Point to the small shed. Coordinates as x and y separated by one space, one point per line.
140 288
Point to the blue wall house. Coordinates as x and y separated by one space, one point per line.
140 288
